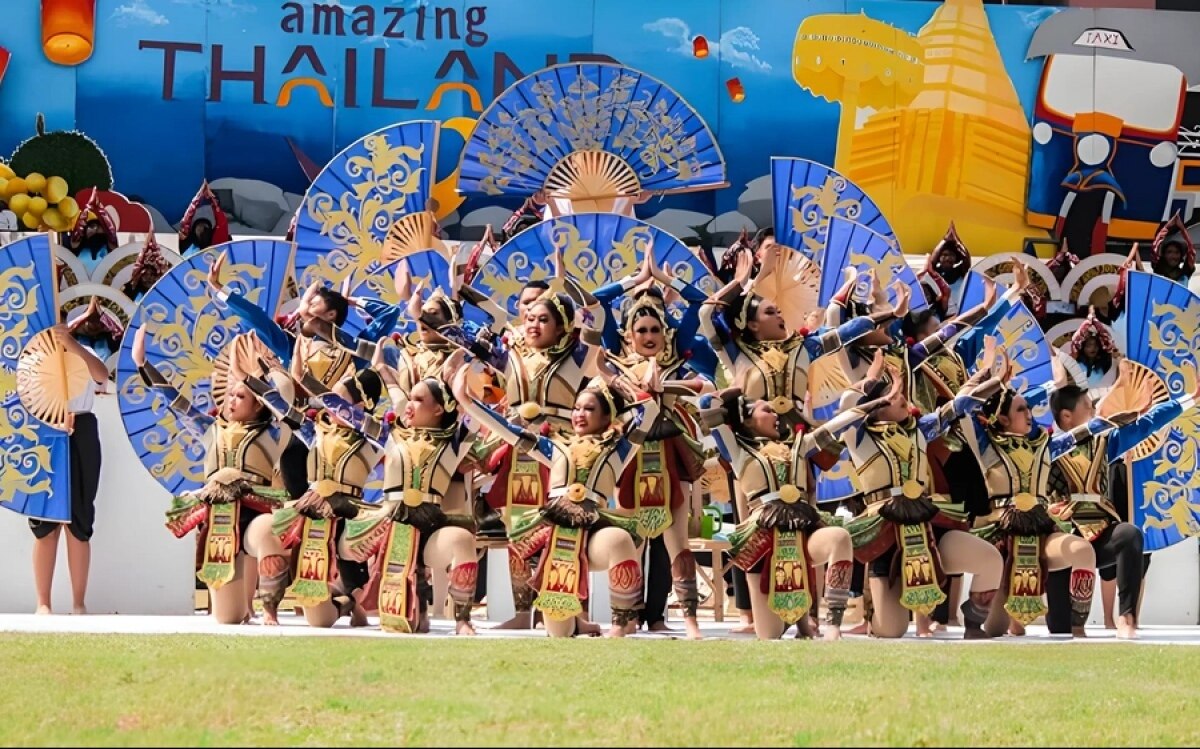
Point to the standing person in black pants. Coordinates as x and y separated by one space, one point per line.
84 443
1079 481
657 564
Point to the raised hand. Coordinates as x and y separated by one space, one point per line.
903 297
876 369
989 292
214 271
1021 279
138 353
990 347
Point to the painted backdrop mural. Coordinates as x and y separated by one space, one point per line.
938 110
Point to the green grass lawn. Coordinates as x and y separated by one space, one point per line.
143 690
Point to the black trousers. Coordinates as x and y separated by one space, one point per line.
657 564
84 444
1118 548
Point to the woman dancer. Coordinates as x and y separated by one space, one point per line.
243 450
1015 455
783 535
573 530
907 539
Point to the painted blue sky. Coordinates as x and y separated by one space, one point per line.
160 150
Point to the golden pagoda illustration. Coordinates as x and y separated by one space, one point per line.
953 147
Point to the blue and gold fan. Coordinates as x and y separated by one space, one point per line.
597 248
1022 338
1163 335
35 475
185 331
852 245
360 197
592 133
807 195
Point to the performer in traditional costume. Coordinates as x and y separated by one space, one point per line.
908 535
243 448
784 537
308 353
1015 455
1079 488
768 361
340 462
951 261
654 488
574 531
546 366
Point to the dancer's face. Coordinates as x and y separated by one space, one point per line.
542 329
649 339
423 410
763 421
588 416
436 314
1091 348
768 323
1019 419
240 404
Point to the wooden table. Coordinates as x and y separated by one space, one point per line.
716 580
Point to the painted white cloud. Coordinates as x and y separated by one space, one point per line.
221 5
138 12
736 46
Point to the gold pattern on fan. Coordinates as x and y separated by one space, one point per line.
412 233
1128 397
592 175
49 377
795 287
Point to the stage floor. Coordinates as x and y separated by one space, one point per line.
294 626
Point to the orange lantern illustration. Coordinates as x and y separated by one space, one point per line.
737 92
700 47
68 30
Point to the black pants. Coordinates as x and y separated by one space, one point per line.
293 468
84 444
1118 548
657 564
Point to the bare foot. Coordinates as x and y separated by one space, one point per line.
975 633
588 629
832 634
693 628
522 620
661 627
43 610
951 622
742 629
863 628
423 623
1127 629
631 628
79 610
806 628
464 628
1078 632
270 618
925 626
1110 624
358 616
616 630
1015 628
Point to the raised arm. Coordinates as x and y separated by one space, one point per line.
195 421
255 317
537 447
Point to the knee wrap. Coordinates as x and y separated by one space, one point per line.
463 578
1082 584
625 586
837 590
271 588
683 578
